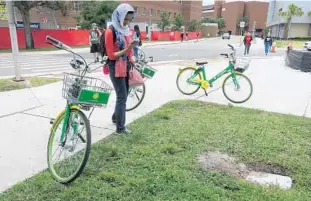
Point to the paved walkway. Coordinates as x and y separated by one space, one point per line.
23 147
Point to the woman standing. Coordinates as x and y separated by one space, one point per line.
268 43
137 38
247 42
119 50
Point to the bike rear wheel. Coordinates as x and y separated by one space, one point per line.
78 131
135 97
182 78
237 82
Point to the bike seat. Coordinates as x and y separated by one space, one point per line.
201 63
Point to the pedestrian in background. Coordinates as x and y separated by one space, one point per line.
102 44
119 47
138 39
94 39
268 43
247 42
181 36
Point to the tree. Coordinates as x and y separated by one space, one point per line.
24 8
165 21
98 12
194 25
293 11
221 23
178 22
309 13
3 11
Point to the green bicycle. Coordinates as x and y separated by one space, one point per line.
70 131
197 78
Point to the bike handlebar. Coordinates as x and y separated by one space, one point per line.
58 43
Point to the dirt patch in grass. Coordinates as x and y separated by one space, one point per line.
223 163
10 84
269 168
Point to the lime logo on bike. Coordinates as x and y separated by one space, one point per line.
95 96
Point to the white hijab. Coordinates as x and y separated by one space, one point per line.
118 17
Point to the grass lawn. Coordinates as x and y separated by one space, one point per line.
159 160
9 84
284 44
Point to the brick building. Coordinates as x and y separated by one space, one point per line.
148 14
48 19
231 11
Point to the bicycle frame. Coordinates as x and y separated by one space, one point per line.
201 71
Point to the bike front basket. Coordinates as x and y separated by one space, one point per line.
148 71
87 91
242 64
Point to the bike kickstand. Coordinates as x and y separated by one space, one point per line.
205 92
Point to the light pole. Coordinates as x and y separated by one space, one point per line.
14 43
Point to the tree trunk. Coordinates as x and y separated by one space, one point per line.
288 29
27 29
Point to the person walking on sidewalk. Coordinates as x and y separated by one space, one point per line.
94 41
247 42
268 43
119 48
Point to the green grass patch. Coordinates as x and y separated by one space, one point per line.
284 44
159 160
9 84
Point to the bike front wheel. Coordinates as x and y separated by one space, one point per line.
141 55
183 84
237 84
67 159
135 97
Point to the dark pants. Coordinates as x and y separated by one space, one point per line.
121 86
247 47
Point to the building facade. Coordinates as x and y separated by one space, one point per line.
231 11
147 14
301 26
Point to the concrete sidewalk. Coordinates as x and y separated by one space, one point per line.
23 147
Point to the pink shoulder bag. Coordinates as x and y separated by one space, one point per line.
135 77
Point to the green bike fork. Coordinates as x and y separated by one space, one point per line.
235 81
65 125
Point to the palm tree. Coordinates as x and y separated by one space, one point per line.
293 11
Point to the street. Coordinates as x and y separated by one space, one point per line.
58 61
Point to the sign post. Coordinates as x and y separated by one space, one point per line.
14 43
242 25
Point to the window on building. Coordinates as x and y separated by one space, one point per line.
180 1
136 9
76 6
143 11
151 11
174 15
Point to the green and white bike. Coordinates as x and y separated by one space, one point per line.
195 78
69 143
